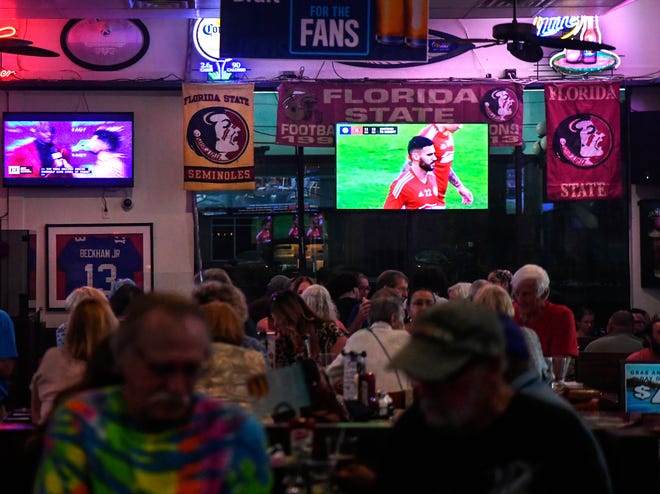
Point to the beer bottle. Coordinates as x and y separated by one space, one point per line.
591 33
575 56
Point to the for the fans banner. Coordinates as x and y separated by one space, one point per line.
218 144
307 112
583 141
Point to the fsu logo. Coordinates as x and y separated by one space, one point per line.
583 140
218 134
499 104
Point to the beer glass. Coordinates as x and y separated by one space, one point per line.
417 22
390 22
559 366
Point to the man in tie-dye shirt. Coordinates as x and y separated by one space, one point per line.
154 434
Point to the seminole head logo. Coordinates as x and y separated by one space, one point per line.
500 104
583 140
218 134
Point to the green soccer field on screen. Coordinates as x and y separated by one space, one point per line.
371 156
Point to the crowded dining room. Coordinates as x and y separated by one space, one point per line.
196 294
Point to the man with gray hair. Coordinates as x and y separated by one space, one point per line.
384 337
154 431
485 436
554 323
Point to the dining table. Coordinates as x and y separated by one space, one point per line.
630 443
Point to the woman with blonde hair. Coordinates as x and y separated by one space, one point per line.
497 298
209 291
70 302
90 322
230 365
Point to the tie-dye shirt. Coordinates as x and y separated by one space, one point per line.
92 445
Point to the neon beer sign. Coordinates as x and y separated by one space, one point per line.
206 37
7 32
578 27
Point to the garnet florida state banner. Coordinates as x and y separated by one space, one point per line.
218 145
583 125
307 112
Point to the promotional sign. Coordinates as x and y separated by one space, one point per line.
642 387
326 29
307 112
583 134
218 144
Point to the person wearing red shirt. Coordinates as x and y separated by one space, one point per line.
442 136
652 335
553 323
416 187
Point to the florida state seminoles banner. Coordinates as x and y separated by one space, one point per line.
307 112
583 134
218 146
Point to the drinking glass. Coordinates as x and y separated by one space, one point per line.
559 366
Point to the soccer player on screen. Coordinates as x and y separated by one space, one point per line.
442 136
416 187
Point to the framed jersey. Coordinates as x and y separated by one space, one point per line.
98 256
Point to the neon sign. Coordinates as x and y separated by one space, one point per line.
7 32
206 37
578 27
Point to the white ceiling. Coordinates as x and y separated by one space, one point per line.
438 9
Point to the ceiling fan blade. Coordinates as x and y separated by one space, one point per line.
475 40
493 42
31 51
515 31
573 44
527 52
14 42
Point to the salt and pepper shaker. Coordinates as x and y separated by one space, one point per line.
385 405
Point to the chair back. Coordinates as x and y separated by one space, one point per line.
600 370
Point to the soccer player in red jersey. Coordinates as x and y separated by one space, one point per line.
443 141
416 187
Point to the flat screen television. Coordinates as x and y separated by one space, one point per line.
640 390
371 156
67 149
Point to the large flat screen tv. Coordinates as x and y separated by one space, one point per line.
67 149
372 156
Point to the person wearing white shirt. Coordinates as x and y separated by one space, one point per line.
384 337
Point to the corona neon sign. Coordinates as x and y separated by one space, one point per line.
578 27
206 37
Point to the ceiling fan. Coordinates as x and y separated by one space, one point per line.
523 42
24 47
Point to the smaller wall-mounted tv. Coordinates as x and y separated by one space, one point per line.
371 156
67 149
